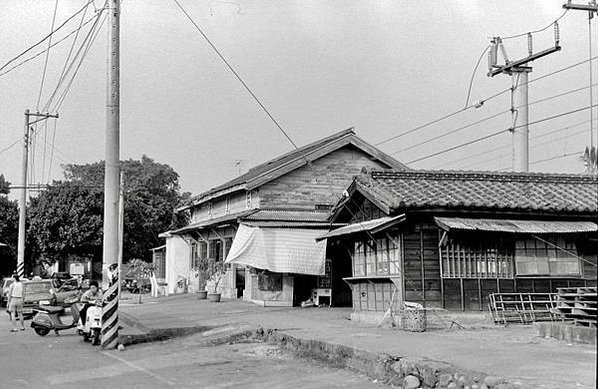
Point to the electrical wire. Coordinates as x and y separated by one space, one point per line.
538 30
10 146
499 132
451 132
553 158
475 69
44 51
46 37
235 73
41 87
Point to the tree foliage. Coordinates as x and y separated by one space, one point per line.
67 219
590 159
9 229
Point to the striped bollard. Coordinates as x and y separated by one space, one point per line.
110 315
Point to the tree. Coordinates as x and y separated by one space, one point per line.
67 219
9 229
590 159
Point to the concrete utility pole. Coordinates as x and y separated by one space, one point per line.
23 198
591 8
110 271
519 93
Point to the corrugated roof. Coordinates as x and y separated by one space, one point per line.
268 168
372 226
213 222
515 226
284 215
397 191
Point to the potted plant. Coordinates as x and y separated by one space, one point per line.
201 273
215 271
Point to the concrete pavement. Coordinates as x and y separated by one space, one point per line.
481 349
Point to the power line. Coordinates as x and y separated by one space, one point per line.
537 31
41 87
451 132
46 37
475 69
10 146
44 51
500 132
557 157
236 74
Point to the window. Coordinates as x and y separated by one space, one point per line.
547 257
380 257
359 259
227 209
248 199
478 257
271 282
216 249
193 258
228 242
203 250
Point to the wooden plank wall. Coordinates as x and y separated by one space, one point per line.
374 296
422 264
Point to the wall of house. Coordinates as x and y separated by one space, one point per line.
282 298
222 206
320 183
178 260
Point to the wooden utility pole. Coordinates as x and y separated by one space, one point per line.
23 197
110 271
518 70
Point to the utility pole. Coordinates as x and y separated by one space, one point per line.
591 8
110 271
518 70
23 198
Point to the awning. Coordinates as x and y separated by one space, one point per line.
371 226
515 226
280 250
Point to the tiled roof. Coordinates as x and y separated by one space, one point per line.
233 217
396 191
302 154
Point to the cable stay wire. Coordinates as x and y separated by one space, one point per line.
235 74
500 132
475 69
538 30
46 37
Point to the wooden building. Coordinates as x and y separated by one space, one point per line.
448 239
264 222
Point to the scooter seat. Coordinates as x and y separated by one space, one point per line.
51 309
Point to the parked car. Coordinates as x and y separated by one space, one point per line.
4 285
36 292
69 291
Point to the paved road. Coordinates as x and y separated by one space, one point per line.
30 361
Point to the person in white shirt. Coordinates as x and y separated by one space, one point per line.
16 293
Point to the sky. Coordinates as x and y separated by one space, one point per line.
383 67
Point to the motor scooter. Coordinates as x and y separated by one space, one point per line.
93 324
50 318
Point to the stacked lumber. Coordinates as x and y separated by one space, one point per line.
578 305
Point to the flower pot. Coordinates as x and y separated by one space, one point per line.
202 294
214 297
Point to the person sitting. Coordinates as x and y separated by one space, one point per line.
89 298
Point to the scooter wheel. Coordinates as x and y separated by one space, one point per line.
41 331
85 337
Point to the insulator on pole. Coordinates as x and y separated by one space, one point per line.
557 34
492 54
530 49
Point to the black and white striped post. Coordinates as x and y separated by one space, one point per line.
111 182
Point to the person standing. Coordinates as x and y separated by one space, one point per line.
16 293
